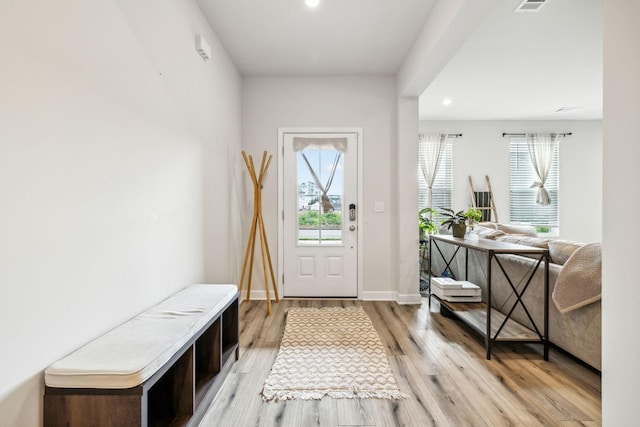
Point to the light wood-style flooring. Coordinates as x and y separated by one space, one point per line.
437 360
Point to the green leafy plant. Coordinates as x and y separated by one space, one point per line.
312 219
473 215
332 219
308 218
425 222
461 217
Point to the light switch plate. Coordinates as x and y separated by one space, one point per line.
378 207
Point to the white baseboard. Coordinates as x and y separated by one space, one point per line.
366 296
259 294
409 298
378 296
392 296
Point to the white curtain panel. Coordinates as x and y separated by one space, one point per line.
431 148
541 148
338 144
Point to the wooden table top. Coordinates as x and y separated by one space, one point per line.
488 245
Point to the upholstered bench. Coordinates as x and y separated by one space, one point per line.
163 367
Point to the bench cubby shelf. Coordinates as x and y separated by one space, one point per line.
178 394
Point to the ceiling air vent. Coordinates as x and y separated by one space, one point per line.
530 5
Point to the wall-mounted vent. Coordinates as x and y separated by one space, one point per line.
531 5
568 109
202 47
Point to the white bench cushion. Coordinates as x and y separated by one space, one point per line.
132 352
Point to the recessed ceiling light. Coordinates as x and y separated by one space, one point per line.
447 101
312 3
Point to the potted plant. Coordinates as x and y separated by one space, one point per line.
473 215
457 221
426 225
425 222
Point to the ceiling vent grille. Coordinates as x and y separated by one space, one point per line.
530 5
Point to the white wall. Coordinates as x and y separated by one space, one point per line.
483 151
108 118
406 260
621 252
366 102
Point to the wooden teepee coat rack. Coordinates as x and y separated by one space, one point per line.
257 227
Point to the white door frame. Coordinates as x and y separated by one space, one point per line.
359 221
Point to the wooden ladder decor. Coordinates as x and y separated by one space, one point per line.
484 201
257 227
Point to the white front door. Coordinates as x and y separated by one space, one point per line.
320 214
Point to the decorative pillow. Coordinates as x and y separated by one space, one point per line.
561 250
580 281
524 240
487 233
525 230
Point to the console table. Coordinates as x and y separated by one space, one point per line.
480 316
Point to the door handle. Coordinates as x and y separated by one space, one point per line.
352 212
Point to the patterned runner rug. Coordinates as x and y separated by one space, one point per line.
333 352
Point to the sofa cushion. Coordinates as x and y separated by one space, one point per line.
525 230
488 224
561 250
487 233
524 240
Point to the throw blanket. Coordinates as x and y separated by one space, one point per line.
580 281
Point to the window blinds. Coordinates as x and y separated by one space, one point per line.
522 198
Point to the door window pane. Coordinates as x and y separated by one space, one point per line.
318 224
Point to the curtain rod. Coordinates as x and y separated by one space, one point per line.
449 135
524 134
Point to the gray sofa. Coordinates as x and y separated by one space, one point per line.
578 329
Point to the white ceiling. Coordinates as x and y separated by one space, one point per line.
339 37
514 66
525 66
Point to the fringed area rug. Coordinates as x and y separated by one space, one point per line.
333 352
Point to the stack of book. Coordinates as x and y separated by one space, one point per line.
451 290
